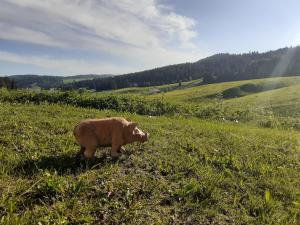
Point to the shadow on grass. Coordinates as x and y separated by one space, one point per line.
62 164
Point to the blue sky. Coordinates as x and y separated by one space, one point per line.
67 37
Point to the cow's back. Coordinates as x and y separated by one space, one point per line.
103 130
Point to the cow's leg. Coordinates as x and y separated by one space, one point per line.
80 153
115 151
90 152
116 145
88 142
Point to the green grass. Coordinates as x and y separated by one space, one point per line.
67 80
191 171
71 80
162 88
263 101
206 92
271 102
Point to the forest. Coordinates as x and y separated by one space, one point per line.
5 82
214 69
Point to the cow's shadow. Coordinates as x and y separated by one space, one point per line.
62 164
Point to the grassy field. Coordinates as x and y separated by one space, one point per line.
207 92
191 171
76 78
161 88
265 97
270 102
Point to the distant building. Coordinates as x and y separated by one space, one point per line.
154 91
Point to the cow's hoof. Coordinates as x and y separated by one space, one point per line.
115 155
122 149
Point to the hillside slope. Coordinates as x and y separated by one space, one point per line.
190 171
211 91
270 97
217 68
270 102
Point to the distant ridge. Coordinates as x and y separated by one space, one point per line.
217 68
48 81
213 69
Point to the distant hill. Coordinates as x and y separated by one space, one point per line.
213 69
47 81
30 80
76 78
5 82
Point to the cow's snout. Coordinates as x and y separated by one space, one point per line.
145 137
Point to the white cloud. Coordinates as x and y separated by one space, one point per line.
68 66
138 31
27 35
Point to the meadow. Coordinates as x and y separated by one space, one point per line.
210 159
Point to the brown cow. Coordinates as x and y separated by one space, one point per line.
114 132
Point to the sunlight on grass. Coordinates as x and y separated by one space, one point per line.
190 170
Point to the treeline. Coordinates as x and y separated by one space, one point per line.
5 82
157 76
217 68
228 67
45 82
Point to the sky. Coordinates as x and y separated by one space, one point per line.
70 37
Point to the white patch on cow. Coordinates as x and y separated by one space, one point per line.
137 131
